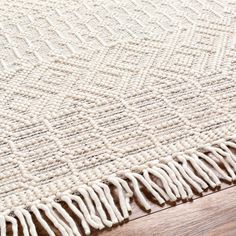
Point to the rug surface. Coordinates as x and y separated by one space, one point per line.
129 94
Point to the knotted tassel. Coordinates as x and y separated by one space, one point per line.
121 195
188 178
137 191
172 175
30 222
14 224
214 165
43 222
165 184
90 206
69 219
104 200
83 215
23 223
59 220
98 205
149 187
181 179
191 173
200 171
169 181
109 197
218 155
51 217
211 174
155 186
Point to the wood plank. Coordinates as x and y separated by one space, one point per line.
214 214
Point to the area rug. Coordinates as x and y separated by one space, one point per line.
108 99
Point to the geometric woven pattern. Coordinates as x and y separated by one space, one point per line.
33 31
89 89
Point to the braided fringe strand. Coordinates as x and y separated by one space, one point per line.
96 208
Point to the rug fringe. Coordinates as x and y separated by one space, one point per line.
96 207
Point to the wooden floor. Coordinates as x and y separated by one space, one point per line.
213 214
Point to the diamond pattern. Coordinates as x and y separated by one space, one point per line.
93 88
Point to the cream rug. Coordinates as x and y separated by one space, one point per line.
126 93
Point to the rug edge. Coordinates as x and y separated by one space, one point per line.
179 176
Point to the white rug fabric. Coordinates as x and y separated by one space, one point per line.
106 93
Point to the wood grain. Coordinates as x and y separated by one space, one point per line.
213 214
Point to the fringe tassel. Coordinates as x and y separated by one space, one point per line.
3 226
124 195
14 224
43 222
69 220
21 218
95 206
91 207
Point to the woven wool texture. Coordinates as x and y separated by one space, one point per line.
93 89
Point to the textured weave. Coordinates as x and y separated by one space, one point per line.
89 89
